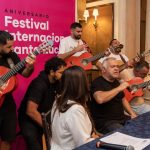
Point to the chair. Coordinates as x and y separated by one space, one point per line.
47 128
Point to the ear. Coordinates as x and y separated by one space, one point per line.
71 31
103 69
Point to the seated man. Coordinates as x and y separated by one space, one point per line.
108 101
115 53
73 44
138 104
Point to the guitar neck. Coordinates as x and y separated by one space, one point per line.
94 58
16 68
143 85
13 71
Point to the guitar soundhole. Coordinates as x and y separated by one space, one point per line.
84 62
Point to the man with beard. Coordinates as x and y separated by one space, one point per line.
73 45
115 51
39 98
108 100
8 59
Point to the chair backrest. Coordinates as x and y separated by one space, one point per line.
47 128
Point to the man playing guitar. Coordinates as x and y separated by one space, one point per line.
8 59
136 99
115 52
73 46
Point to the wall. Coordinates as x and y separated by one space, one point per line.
98 38
126 23
48 20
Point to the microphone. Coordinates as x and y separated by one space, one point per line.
109 146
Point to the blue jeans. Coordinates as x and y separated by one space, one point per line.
141 109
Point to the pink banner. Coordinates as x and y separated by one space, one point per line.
31 23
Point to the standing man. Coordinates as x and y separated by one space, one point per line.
8 59
39 98
73 45
108 103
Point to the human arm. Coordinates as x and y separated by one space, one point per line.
69 47
105 96
35 97
73 51
128 108
28 70
32 112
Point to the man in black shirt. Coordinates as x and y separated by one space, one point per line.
39 98
8 59
108 99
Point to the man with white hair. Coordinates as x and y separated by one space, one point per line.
108 101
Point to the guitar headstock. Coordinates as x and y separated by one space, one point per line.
141 56
146 53
45 46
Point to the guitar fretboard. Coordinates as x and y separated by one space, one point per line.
16 68
94 58
144 84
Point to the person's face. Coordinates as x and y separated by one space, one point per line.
8 47
58 73
142 73
115 43
76 33
112 70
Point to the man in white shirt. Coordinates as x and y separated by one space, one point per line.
124 63
115 52
73 45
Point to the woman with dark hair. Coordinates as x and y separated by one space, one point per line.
71 124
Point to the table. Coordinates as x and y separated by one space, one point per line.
138 127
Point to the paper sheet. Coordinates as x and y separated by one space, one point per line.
123 139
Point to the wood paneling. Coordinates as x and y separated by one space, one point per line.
81 6
143 25
99 39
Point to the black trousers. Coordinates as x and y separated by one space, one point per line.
110 125
32 134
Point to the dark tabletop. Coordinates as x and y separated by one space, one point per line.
138 127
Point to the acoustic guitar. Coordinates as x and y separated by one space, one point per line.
86 61
136 88
7 78
77 60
